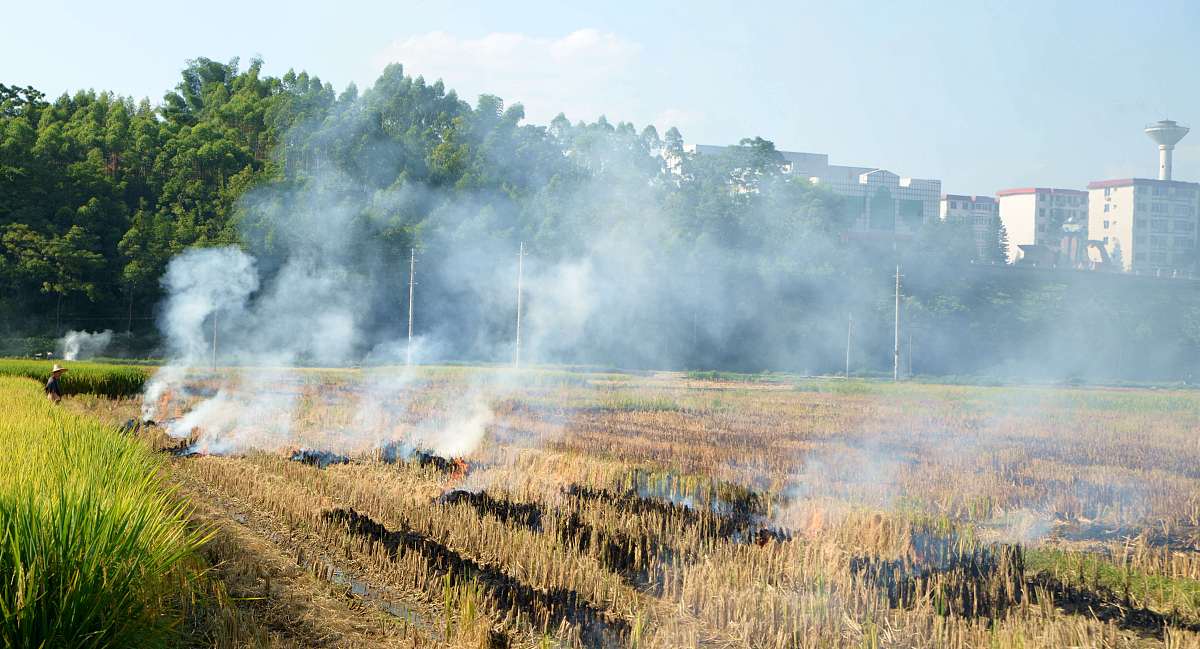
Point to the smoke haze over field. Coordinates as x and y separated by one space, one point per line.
639 256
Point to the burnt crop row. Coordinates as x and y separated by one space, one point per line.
738 525
965 579
546 609
528 515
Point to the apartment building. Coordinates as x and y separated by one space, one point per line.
978 211
1036 215
1148 226
877 199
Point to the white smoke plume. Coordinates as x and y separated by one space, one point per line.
207 290
81 345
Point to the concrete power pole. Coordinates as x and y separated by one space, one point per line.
849 328
896 355
412 267
520 280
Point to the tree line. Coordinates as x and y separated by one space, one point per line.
98 192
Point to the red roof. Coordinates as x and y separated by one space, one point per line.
964 197
1032 190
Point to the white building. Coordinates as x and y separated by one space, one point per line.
1149 224
878 200
980 212
1036 215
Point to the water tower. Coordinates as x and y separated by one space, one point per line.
1166 133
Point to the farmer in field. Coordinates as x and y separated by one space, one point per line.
53 390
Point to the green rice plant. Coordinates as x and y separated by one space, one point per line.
84 377
94 550
735 377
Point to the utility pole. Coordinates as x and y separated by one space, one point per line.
849 328
412 267
896 354
214 346
520 279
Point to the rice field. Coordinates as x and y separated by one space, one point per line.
94 550
675 510
84 377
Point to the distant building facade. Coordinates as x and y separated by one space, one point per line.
877 200
1035 216
1148 226
980 212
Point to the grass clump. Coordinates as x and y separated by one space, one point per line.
1160 592
94 551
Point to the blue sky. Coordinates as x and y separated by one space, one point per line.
982 95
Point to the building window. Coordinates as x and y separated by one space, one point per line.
1158 225
1158 242
1107 191
1139 256
1158 257
911 212
1106 206
1042 212
881 210
1185 226
1106 225
1183 242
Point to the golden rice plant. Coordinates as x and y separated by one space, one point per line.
94 551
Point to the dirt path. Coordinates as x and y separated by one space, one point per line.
270 572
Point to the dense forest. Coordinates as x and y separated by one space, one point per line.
734 263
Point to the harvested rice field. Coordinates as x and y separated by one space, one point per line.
478 507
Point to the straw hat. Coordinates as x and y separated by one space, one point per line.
57 368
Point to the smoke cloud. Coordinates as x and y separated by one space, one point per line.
753 274
81 345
